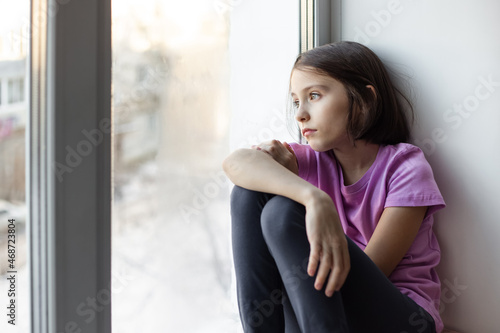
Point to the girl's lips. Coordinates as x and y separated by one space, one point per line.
307 131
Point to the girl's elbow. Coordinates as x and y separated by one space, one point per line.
226 164
230 163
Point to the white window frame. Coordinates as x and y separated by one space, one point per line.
320 23
69 225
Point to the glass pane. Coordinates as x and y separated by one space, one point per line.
15 90
171 243
14 288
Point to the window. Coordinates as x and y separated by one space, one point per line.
170 209
15 90
13 213
170 92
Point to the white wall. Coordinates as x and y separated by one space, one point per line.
263 46
451 49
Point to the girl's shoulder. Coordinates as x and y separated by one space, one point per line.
404 162
409 178
402 154
311 162
402 149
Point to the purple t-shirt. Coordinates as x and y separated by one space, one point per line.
399 176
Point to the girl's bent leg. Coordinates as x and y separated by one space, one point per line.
367 302
283 225
258 281
373 304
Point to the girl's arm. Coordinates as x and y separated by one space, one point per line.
262 170
267 167
393 236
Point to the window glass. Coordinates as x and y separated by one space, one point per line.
171 243
14 288
16 90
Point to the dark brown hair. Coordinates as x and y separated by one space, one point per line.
379 119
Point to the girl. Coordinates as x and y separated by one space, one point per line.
336 235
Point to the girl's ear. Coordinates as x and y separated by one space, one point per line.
372 88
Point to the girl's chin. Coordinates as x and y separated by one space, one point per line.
318 148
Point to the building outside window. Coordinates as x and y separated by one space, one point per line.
15 90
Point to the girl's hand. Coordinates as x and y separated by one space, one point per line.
280 152
328 244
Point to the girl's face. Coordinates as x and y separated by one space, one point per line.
321 109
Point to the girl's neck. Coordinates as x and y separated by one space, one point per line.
356 160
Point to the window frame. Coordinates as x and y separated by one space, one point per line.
320 23
69 227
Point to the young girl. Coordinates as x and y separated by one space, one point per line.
336 235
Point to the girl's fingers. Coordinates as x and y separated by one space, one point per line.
271 147
313 259
336 278
330 286
340 269
280 152
287 146
347 265
324 268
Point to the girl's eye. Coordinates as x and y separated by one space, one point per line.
314 96
296 104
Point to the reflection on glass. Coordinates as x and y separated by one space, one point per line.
171 249
14 41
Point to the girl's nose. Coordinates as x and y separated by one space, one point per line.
302 114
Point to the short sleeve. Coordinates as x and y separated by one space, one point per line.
412 182
305 159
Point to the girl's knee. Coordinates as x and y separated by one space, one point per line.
242 197
246 203
280 216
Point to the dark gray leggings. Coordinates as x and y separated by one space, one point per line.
275 294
